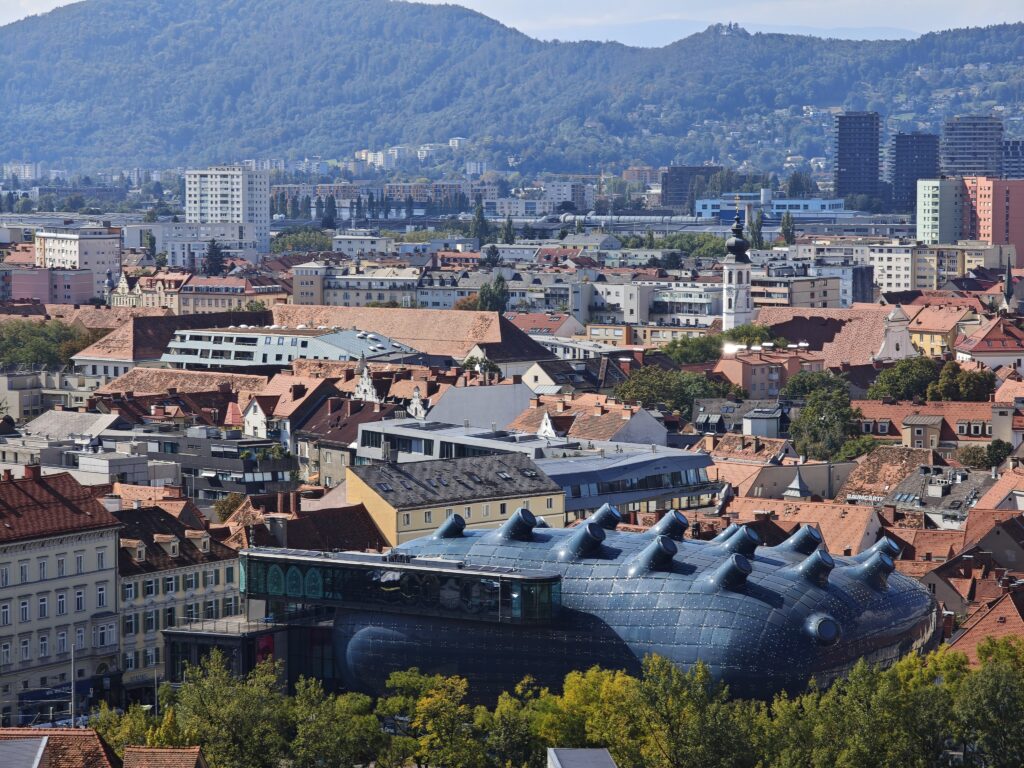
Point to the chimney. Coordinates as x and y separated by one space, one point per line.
33 472
535 401
598 409
333 404
277 525
58 407
172 390
112 503
8 475
136 503
224 387
560 406
280 502
889 513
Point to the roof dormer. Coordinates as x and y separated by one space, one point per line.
200 538
168 543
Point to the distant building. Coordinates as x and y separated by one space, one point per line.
678 184
51 286
993 211
856 143
972 145
87 246
912 156
939 210
230 195
1013 159
186 243
361 244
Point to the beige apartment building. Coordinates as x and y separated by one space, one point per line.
90 247
58 597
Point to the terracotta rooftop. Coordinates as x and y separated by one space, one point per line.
996 336
1004 618
746 448
69 747
577 416
286 393
877 473
438 332
740 475
537 322
895 414
163 757
36 506
843 526
849 336
152 525
151 381
937 318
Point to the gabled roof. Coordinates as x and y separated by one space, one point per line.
880 471
60 425
1004 618
849 336
577 416
35 506
336 420
583 375
163 757
951 413
286 394
150 381
145 523
843 526
996 336
69 747
436 332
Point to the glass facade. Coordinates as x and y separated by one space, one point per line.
497 605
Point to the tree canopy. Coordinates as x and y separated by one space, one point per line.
52 344
653 385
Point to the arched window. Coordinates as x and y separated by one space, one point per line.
730 302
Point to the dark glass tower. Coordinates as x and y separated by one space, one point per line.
972 145
856 150
912 156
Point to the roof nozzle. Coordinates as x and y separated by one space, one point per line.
743 541
729 531
805 540
876 570
673 524
732 574
816 567
607 516
822 628
885 545
520 526
656 556
451 528
583 541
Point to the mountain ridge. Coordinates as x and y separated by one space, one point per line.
102 83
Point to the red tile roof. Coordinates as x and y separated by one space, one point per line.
69 747
843 526
37 506
1004 618
996 336
163 757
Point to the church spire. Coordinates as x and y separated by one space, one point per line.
737 245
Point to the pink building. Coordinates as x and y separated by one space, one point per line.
993 211
52 286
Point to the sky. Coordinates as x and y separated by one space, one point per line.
659 22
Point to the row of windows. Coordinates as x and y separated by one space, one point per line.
103 635
42 571
156 619
43 605
172 584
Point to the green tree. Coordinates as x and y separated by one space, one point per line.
214 260
255 305
803 383
318 206
653 385
490 258
301 240
445 722
121 730
508 232
824 424
409 206
706 348
755 230
990 706
512 740
160 260
226 505
306 209
240 722
997 452
53 343
856 446
787 228
907 379
493 296
975 456
167 733
338 731
800 184
479 226
330 216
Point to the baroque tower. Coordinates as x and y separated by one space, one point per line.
737 308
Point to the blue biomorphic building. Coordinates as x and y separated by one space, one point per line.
523 599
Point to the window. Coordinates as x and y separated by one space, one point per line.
149 587
26 651
80 637
101 559
211 610
229 574
24 611
502 508
79 600
79 562
23 572
129 590
129 660
101 596
192 611
5 615
152 656
5 576
44 646
169 585
169 617
469 512
150 621
406 519
5 653
62 603
961 428
44 607
62 642
42 570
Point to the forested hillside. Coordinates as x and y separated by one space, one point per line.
149 82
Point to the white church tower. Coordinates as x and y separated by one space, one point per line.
737 308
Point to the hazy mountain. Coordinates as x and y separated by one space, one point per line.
151 82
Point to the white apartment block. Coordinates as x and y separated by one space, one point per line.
353 245
94 248
895 265
939 210
58 592
230 195
186 243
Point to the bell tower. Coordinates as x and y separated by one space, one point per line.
737 308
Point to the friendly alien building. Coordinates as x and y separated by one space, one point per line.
496 605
